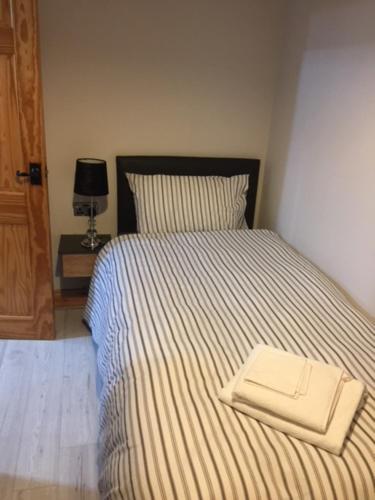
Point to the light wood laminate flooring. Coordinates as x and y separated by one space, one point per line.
49 415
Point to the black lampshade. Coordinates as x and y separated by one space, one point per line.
91 177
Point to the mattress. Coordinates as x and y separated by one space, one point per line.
174 317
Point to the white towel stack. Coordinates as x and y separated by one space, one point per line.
309 400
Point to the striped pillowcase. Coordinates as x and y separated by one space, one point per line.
172 203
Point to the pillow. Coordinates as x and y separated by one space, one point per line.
173 203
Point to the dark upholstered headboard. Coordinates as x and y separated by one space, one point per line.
179 165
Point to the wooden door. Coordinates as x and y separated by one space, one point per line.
26 299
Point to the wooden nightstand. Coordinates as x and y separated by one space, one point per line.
75 261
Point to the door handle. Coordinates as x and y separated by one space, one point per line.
35 174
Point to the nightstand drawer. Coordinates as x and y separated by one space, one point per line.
78 266
75 268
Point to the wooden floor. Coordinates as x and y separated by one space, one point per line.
48 415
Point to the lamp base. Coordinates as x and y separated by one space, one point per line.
91 242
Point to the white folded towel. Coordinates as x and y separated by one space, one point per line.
301 390
278 370
332 440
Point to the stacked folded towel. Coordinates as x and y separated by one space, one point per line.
309 400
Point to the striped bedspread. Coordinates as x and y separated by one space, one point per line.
174 317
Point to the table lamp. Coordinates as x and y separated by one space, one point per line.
91 180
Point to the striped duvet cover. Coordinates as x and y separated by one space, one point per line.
174 317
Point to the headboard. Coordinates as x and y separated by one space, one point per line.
179 165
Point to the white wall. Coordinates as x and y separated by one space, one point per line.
319 191
139 77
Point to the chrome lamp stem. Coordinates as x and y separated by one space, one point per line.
91 241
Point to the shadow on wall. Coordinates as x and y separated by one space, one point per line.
319 181
18 488
302 35
284 113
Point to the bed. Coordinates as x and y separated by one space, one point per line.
174 316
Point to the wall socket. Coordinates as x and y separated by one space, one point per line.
83 208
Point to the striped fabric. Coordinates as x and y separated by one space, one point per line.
172 203
174 317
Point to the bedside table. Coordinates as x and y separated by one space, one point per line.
75 261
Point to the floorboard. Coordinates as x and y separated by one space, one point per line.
49 415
